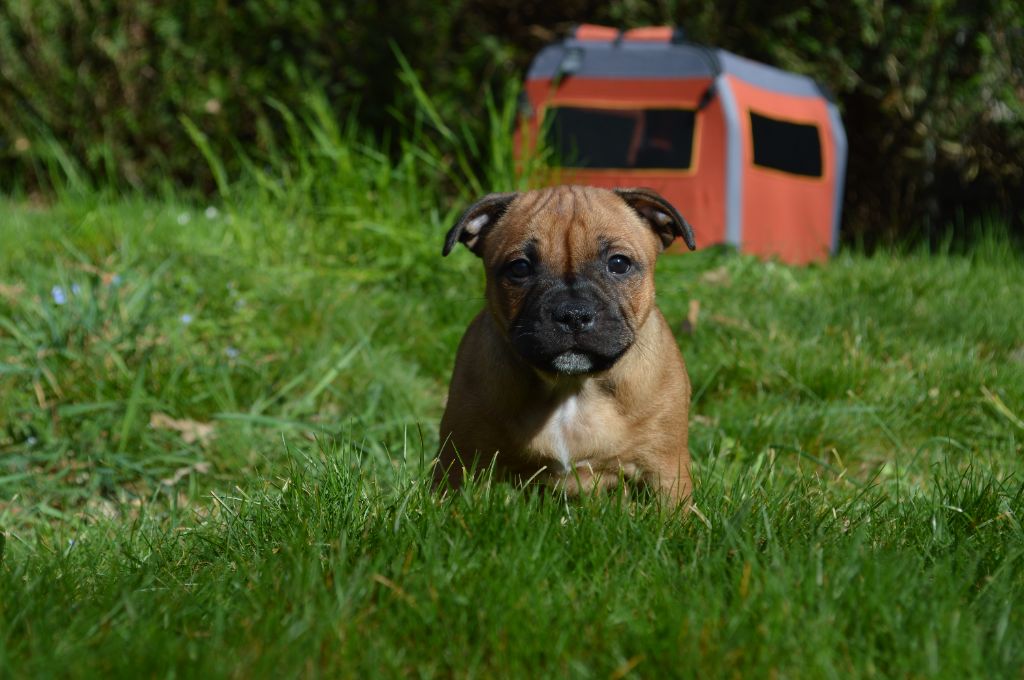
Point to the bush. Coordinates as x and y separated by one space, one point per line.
932 90
101 87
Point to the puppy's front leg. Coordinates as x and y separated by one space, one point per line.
672 483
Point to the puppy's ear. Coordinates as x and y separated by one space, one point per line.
659 213
480 216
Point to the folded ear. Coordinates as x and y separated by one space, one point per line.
480 216
659 213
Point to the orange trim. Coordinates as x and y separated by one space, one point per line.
596 32
614 104
672 91
649 34
599 33
635 172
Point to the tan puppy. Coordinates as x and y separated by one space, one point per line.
570 375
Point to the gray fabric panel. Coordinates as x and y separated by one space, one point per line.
733 163
656 60
767 77
627 60
839 144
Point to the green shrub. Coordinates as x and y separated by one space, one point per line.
100 88
107 91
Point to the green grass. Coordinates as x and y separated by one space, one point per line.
856 432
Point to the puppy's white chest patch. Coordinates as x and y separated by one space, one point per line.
578 430
563 421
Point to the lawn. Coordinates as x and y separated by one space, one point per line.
215 422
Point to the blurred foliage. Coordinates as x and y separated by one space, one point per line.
104 85
120 92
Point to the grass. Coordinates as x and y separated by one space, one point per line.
216 419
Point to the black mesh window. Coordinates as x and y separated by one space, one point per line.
791 147
621 138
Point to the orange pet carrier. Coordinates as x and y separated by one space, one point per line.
752 155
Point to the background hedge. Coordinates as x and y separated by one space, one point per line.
932 91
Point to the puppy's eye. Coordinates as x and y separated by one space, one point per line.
619 264
519 269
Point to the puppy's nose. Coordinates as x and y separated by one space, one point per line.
575 316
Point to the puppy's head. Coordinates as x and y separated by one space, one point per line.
570 269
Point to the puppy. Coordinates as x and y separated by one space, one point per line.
570 375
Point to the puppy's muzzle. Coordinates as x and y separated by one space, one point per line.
571 329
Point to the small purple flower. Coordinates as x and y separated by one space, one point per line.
76 289
186 318
58 295
232 352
